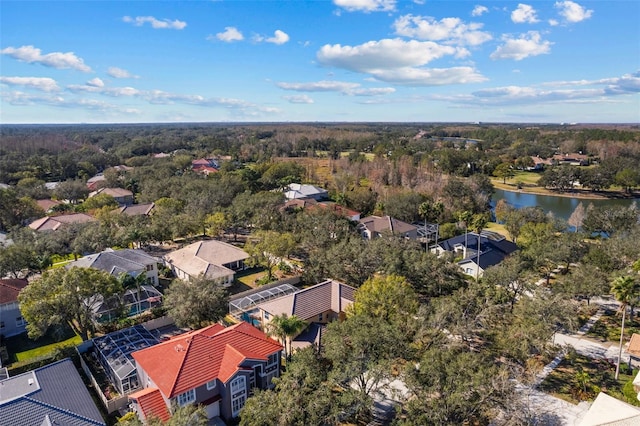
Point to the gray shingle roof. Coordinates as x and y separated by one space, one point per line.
55 394
115 262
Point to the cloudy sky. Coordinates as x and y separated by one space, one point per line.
323 60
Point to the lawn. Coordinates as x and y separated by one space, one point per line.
579 378
607 329
22 349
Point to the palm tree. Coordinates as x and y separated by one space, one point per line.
627 291
285 327
130 282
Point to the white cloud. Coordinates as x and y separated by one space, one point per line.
346 88
430 76
579 91
529 44
116 72
298 99
384 54
399 61
230 34
366 5
57 60
45 84
279 37
572 12
157 24
447 30
95 82
524 14
553 22
479 10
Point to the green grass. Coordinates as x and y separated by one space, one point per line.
563 382
607 329
250 276
22 349
499 228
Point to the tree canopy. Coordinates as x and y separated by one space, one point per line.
66 296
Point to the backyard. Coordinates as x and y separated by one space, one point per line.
579 378
22 350
607 329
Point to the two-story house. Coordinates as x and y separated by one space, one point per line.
11 321
216 367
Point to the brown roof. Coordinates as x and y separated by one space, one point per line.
634 345
136 209
9 290
308 303
114 192
386 224
193 359
46 205
55 222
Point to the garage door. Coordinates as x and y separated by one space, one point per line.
213 410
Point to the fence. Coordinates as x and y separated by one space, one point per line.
112 405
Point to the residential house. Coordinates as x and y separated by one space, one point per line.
634 350
136 209
375 226
317 305
211 259
124 197
51 223
130 261
216 367
133 262
48 205
494 248
96 181
11 321
51 395
297 190
205 166
609 411
311 203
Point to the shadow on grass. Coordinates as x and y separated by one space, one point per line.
21 348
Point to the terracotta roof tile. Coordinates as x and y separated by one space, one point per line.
192 359
151 403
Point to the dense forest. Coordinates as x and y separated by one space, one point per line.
459 344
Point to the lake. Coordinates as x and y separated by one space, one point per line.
562 207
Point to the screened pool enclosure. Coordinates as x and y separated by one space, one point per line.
114 350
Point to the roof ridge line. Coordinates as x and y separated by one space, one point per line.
188 339
64 410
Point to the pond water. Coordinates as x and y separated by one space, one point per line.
562 207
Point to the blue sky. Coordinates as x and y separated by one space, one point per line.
340 60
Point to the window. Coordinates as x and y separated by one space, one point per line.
237 404
273 359
238 395
187 397
237 385
320 317
266 315
211 384
20 322
150 267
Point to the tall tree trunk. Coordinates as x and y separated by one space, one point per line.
624 311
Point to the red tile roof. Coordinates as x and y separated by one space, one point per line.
151 403
9 290
193 359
